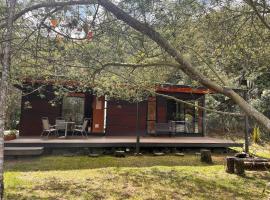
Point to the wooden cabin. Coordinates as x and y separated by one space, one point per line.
155 116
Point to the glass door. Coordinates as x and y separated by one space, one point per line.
73 109
183 117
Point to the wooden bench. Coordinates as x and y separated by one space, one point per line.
23 151
239 165
163 128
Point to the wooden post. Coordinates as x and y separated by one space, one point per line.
246 135
206 156
246 128
230 164
239 166
204 118
151 115
137 130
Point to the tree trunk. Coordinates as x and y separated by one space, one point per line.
206 156
230 165
4 84
239 166
184 65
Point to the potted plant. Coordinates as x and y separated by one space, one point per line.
10 135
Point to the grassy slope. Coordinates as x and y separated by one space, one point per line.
167 177
260 150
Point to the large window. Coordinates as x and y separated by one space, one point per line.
73 109
185 117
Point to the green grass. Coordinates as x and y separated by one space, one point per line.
146 177
260 150
47 163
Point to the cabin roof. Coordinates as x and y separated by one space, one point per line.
175 88
162 88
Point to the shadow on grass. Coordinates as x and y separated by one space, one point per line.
125 184
48 163
25 197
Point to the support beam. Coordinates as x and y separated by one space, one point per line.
204 118
137 130
246 127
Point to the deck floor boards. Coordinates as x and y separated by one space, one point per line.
125 141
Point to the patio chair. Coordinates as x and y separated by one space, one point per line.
179 127
47 128
81 128
60 125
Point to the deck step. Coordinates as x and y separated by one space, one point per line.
23 151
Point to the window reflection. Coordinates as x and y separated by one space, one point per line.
73 109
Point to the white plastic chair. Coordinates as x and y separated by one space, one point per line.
60 125
47 128
81 128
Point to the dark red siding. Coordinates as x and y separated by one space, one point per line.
30 122
161 110
121 118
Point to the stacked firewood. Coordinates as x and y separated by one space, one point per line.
241 162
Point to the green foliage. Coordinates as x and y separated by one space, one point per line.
214 36
213 39
256 135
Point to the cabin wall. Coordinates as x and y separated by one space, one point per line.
37 107
30 120
122 117
161 110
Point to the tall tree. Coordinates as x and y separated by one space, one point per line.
6 61
184 65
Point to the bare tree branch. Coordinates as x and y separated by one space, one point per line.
251 3
49 4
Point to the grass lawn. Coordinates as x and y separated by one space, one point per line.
262 150
146 177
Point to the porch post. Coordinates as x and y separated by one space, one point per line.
246 126
204 118
137 130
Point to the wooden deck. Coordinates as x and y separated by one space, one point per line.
125 141
23 151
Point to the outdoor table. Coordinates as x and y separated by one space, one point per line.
67 123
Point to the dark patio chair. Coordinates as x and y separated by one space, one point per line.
163 129
47 128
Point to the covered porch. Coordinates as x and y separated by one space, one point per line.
155 115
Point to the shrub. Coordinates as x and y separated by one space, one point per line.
10 132
256 135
